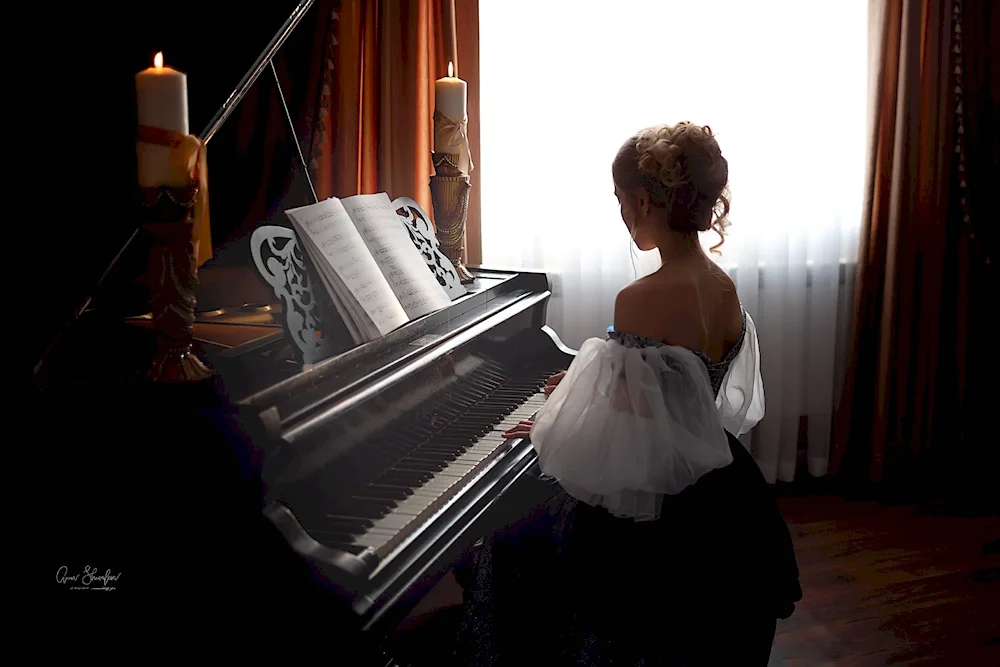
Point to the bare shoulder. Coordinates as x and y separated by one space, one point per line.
632 311
660 309
699 311
728 310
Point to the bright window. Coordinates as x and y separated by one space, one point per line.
782 83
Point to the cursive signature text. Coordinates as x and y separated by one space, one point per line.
88 578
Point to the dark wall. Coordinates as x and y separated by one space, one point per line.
76 83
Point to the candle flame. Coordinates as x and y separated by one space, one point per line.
451 69
158 60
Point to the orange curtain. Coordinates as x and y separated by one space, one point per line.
373 128
901 402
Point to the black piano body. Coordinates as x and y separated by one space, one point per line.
382 464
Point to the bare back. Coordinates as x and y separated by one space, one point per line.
692 304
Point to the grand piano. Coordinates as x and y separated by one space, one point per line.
384 462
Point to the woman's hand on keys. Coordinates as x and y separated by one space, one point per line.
523 428
553 382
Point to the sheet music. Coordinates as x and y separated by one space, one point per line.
332 234
416 288
358 323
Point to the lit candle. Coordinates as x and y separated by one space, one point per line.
450 100
450 95
161 97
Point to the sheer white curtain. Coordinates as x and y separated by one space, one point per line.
782 83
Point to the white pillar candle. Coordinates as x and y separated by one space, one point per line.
451 95
161 100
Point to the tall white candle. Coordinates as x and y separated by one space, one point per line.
450 100
451 95
161 99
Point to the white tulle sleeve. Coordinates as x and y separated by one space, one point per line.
740 400
627 425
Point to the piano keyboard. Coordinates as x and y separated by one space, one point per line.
437 462
450 468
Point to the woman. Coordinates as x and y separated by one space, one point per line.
664 545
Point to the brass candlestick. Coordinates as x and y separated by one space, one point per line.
450 195
173 278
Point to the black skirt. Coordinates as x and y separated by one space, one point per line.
569 584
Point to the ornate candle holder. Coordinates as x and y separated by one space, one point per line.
450 195
172 275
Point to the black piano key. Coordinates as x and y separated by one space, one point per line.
482 412
430 452
345 525
332 538
437 455
447 411
489 420
511 400
410 478
415 464
461 429
506 393
477 395
446 444
467 397
435 448
381 493
402 491
461 439
362 508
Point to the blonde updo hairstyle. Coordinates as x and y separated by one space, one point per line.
682 169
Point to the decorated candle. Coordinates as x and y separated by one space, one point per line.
450 133
161 100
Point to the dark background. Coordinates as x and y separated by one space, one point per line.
75 71
153 482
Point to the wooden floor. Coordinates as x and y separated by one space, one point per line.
882 586
887 586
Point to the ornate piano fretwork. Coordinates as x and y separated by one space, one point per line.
280 263
421 231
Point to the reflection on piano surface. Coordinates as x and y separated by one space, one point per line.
383 462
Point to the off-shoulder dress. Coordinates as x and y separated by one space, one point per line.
661 544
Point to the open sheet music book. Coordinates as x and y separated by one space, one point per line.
366 258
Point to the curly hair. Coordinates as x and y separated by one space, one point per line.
682 169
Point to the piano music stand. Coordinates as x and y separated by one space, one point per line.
281 264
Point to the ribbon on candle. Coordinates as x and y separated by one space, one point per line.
187 156
456 134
